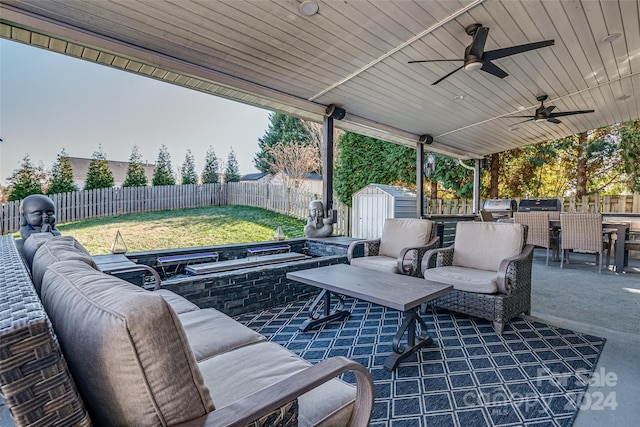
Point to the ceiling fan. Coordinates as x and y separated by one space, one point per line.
545 113
476 58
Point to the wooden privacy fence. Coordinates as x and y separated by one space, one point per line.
82 205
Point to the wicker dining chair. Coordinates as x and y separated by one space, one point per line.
583 232
539 233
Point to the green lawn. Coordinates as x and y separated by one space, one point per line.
215 225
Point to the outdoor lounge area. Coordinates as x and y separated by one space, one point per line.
581 323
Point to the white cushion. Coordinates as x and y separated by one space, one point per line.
465 279
483 245
398 234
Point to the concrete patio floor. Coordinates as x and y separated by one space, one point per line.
606 305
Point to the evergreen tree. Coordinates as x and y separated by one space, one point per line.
25 180
189 175
231 171
99 174
163 173
630 150
61 175
281 129
211 168
135 171
363 160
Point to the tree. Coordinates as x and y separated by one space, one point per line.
231 171
163 173
211 168
189 175
136 176
99 174
282 128
363 160
61 175
630 152
25 180
294 161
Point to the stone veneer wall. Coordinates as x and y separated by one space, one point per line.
252 289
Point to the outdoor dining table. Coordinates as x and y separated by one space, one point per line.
622 234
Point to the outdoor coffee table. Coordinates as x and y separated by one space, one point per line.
395 291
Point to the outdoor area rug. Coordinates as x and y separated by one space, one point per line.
533 375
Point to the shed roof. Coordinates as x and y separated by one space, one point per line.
395 191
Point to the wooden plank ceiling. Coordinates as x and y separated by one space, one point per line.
355 54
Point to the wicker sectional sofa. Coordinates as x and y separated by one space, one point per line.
93 349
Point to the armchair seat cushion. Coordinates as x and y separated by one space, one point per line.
465 279
380 263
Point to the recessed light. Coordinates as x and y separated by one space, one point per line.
459 98
611 37
624 97
308 8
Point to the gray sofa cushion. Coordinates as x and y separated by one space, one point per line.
59 248
398 234
132 363
211 332
483 245
265 363
32 244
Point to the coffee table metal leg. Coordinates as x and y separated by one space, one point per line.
316 319
414 342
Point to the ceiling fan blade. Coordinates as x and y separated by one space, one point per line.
433 60
552 120
549 109
492 68
570 113
518 117
442 78
479 39
508 51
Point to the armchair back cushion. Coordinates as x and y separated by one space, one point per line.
32 244
133 366
483 245
398 234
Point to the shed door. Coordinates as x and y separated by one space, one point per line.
369 214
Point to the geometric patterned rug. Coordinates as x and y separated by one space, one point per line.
532 375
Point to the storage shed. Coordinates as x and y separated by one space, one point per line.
377 202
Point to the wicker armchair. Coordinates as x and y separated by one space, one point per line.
489 266
539 234
583 232
399 250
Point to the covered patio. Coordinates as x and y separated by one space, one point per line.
347 64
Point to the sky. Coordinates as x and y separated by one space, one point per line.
50 101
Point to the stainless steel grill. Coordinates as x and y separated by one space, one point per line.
500 208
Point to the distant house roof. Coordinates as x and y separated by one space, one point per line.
80 167
313 176
254 176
